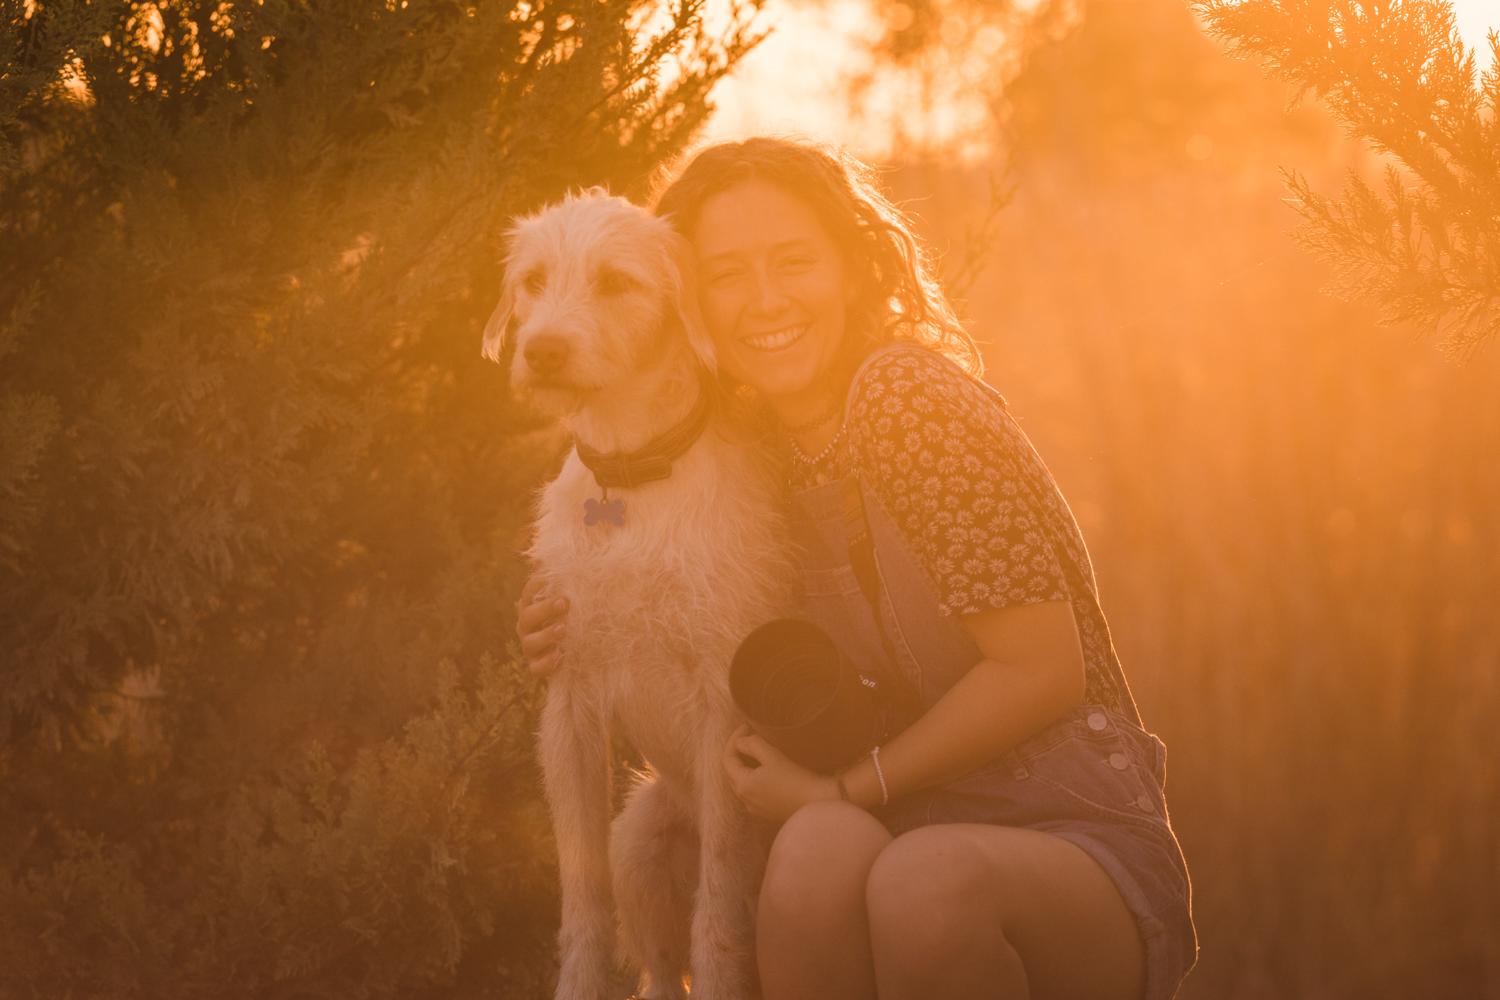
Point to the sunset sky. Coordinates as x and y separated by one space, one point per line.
794 80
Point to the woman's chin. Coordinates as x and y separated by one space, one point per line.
773 376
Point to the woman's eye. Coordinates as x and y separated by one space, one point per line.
801 260
611 282
534 281
723 277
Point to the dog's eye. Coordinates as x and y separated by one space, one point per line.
611 282
534 281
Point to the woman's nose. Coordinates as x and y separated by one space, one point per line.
769 297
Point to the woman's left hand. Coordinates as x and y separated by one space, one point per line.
779 786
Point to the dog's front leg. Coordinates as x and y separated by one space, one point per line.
730 868
574 749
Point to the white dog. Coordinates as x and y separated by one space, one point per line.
665 529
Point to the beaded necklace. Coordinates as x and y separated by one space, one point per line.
822 456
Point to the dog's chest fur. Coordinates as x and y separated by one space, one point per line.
658 605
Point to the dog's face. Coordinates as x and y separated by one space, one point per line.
595 288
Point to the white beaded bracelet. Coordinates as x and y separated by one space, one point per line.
885 793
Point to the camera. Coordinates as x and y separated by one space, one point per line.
808 700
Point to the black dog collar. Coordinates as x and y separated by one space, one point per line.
651 462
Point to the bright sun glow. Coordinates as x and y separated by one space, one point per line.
796 81
1475 19
799 79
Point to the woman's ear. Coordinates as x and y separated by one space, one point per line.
684 301
498 326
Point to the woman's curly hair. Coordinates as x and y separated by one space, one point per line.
898 295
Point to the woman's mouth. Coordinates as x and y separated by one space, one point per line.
776 340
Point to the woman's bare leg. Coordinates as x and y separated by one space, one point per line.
968 910
812 937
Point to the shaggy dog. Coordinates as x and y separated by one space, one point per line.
665 529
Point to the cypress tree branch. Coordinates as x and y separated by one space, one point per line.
1397 76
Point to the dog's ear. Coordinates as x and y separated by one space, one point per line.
684 301
499 322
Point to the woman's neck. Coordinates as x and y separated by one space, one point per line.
811 418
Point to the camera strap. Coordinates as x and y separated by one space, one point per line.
904 698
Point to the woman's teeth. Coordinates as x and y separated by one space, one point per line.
775 341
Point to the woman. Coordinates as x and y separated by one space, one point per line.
1013 840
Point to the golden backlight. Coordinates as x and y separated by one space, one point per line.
1292 511
798 79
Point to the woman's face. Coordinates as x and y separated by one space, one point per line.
773 288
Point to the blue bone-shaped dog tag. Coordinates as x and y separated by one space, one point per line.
608 511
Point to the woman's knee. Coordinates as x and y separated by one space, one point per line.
821 856
920 894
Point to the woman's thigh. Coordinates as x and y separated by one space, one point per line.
945 895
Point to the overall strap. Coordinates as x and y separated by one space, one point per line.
905 699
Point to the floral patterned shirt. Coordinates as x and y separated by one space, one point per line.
973 499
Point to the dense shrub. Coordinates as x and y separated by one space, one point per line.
260 496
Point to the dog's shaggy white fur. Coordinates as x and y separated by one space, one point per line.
597 293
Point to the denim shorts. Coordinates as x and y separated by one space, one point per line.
1095 779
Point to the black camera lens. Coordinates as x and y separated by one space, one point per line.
803 694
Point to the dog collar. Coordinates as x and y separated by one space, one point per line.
648 464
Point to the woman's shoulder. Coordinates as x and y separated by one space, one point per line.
903 357
912 379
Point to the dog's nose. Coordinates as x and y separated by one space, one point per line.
546 353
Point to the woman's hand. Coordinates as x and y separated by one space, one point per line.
539 624
779 786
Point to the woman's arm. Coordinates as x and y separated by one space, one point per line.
982 516
1031 674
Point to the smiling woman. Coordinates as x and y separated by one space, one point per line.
773 293
807 217
1019 815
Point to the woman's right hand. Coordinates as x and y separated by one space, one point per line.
539 624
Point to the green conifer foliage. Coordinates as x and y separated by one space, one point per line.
262 728
1396 74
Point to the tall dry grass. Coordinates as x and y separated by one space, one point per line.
1294 517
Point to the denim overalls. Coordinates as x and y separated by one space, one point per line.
1094 777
